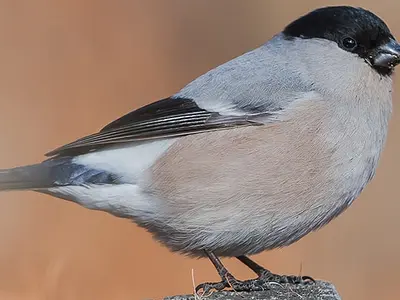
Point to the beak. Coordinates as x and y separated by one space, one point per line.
386 55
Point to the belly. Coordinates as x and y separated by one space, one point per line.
251 189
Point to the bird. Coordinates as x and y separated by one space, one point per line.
250 156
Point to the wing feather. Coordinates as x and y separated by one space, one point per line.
168 117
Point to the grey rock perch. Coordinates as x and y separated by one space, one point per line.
321 290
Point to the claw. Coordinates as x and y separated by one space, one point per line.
308 279
207 287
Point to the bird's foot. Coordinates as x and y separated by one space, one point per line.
232 283
269 277
206 288
259 284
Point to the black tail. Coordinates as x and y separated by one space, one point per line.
47 174
25 178
52 173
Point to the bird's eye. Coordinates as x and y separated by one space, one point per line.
349 43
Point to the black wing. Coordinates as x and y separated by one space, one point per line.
168 117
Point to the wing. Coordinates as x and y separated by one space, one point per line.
258 83
169 117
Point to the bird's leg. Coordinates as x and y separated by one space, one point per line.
260 283
255 267
227 279
222 272
267 276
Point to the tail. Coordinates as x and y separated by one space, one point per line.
53 173
29 177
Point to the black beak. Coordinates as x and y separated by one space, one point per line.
386 55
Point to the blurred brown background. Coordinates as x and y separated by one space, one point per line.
69 67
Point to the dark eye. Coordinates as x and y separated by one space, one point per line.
349 43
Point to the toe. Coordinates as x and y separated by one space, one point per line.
207 287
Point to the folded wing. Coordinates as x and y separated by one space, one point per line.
169 117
